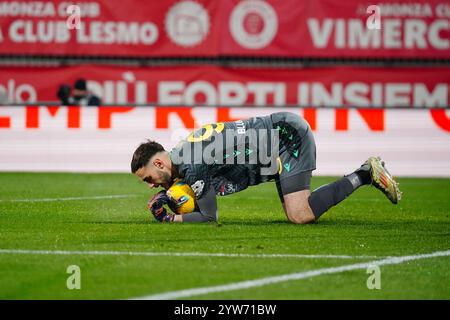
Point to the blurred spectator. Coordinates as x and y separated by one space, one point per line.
78 96
82 96
64 94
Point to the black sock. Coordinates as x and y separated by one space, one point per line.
364 175
331 194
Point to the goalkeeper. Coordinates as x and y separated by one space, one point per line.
224 158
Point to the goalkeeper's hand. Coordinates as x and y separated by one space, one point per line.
156 207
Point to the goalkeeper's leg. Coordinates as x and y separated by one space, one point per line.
297 159
305 207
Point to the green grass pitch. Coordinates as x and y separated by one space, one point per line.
251 222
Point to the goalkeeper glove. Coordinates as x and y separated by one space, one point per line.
156 207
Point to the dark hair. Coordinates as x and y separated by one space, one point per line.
80 84
143 154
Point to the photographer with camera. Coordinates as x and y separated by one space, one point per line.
78 96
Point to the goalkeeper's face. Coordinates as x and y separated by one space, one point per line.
156 174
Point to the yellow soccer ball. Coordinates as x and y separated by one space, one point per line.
182 196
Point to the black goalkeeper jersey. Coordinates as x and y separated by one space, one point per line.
228 156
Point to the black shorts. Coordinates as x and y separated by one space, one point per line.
297 153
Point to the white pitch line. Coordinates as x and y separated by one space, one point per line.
70 198
288 277
181 254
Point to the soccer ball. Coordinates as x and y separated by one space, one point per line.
182 196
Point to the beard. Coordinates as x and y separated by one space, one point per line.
165 177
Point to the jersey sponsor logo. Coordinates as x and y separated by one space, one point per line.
197 187
240 127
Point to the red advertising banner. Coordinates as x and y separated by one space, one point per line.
289 28
325 28
209 85
107 28
214 86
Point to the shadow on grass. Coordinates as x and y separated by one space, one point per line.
412 224
239 222
215 224
124 222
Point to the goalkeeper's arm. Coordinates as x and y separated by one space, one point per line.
207 210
